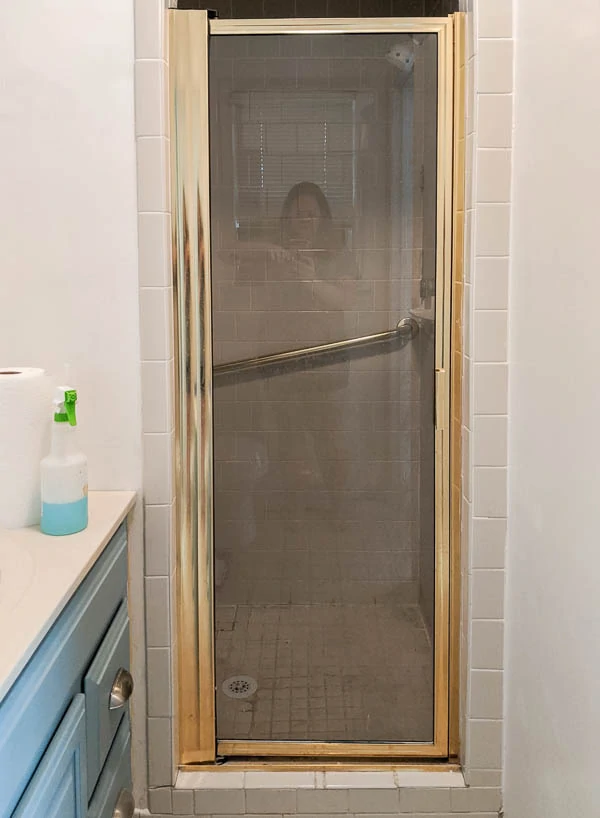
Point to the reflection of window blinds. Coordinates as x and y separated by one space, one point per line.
281 139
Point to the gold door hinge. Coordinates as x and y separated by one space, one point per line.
440 399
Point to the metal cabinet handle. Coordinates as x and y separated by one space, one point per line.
121 690
125 806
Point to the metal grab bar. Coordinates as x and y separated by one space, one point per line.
406 328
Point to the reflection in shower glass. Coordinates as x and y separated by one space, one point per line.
323 197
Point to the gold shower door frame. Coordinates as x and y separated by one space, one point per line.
189 33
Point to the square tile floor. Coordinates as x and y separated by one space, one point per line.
326 672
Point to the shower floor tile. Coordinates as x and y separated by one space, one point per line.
325 672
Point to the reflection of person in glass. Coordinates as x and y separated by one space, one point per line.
308 232
306 221
313 246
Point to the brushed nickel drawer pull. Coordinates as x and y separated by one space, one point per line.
121 690
125 806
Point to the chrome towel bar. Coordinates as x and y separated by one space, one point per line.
407 329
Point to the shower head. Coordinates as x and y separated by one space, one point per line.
402 55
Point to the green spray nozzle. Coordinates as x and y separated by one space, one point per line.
64 406
70 401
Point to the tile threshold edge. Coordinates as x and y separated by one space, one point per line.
400 779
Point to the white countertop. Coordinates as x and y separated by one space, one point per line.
39 574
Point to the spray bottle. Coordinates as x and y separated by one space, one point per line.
64 472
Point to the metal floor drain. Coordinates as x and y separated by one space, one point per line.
239 687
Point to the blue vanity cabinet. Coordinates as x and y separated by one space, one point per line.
64 724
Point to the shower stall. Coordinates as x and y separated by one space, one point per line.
312 187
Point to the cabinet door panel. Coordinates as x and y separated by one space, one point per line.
102 722
58 788
116 775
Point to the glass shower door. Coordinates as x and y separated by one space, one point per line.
325 224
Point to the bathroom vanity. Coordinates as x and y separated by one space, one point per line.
64 669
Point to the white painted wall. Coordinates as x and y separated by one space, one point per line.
68 241
68 247
553 613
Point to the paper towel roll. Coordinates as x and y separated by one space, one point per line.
25 419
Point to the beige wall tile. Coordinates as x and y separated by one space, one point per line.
158 668
374 801
322 801
219 802
149 28
494 18
160 752
490 440
490 336
425 800
487 644
158 531
489 543
492 231
494 119
160 800
485 778
155 324
152 179
183 802
490 389
263 801
211 780
493 175
158 483
491 283
495 67
484 744
477 800
489 491
157 394
279 780
154 249
150 98
157 612
487 594
485 694
367 780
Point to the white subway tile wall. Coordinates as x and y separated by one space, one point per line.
152 130
487 223
488 174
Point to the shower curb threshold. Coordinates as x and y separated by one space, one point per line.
347 780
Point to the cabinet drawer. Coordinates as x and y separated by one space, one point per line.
102 717
115 778
58 787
